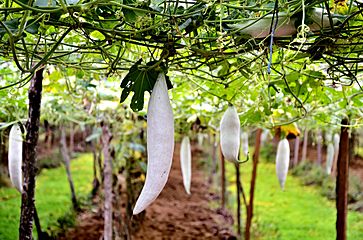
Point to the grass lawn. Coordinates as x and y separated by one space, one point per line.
298 213
360 152
53 199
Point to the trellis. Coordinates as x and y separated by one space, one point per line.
187 35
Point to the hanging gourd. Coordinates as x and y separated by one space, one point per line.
230 134
282 161
186 163
15 157
244 143
160 144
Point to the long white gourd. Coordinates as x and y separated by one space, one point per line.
329 157
261 27
336 149
230 134
244 142
320 19
15 157
200 137
264 136
282 161
186 163
160 144
328 137
336 143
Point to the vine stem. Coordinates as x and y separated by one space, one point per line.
11 43
45 58
272 32
18 82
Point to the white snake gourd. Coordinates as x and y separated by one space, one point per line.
329 157
186 163
200 138
16 157
160 144
244 142
230 134
282 161
336 143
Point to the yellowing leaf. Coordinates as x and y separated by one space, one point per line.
137 155
290 130
96 35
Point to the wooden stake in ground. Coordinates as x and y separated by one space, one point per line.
305 145
319 140
48 135
106 139
30 156
41 234
296 151
342 182
71 139
256 156
95 182
238 181
214 158
67 163
223 178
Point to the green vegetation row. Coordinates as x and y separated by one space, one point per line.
298 212
53 200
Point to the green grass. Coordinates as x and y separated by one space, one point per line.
360 151
298 213
52 196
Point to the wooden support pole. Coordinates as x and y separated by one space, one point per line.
30 156
342 182
256 156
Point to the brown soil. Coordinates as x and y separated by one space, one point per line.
174 215
89 227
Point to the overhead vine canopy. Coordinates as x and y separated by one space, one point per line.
70 31
215 41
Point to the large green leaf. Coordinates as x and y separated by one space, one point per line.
32 26
12 25
140 78
131 15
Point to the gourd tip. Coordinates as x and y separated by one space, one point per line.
138 209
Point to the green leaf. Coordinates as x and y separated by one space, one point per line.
129 15
292 77
251 116
32 27
96 35
12 25
143 166
225 66
137 147
139 79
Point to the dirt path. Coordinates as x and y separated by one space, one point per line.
174 215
